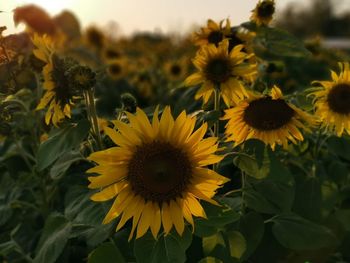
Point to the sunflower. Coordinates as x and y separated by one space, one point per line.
268 118
212 34
95 38
219 68
59 94
111 52
332 101
263 12
144 82
117 68
176 70
157 173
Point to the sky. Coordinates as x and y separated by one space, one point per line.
177 16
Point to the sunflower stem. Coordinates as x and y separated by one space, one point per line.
217 122
92 116
243 179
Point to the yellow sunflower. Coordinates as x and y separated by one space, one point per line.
212 34
332 101
263 12
176 70
58 95
219 68
268 118
157 173
117 68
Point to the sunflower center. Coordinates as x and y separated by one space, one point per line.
110 53
218 70
266 9
234 41
115 69
215 37
339 98
266 114
64 92
159 172
175 70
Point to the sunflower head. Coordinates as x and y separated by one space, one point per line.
221 69
60 92
111 52
270 119
213 33
81 77
129 102
332 101
176 70
263 12
157 172
117 68
95 37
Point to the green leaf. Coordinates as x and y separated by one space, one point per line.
273 43
297 233
252 228
167 249
339 147
343 216
63 141
210 260
63 163
237 244
218 216
106 253
209 243
308 197
249 165
274 194
53 239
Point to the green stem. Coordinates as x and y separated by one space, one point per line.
92 115
243 178
217 122
216 108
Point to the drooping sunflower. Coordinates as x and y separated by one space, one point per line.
157 173
270 119
59 94
221 69
95 38
263 12
214 33
332 101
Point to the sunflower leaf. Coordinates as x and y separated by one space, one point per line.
167 249
106 253
63 141
297 233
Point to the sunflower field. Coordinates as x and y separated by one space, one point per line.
229 145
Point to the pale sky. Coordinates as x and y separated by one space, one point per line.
144 15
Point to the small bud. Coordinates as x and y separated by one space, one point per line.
129 102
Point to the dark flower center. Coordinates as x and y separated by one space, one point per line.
95 38
175 70
234 41
218 70
111 54
266 114
215 37
339 98
115 69
64 92
159 172
266 9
